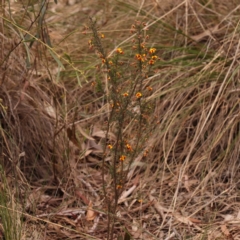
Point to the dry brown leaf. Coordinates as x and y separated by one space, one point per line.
206 33
69 221
93 159
194 220
91 144
91 214
84 133
226 232
87 153
136 180
228 217
125 194
136 230
50 111
99 133
86 150
102 134
81 196
183 219
212 234
160 209
135 226
186 183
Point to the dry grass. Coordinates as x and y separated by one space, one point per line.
54 107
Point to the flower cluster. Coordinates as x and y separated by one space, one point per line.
144 57
129 147
140 57
122 158
120 51
152 50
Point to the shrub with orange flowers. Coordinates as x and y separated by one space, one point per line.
127 70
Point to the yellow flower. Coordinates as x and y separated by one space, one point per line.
115 105
109 146
125 94
138 56
119 186
119 50
122 158
129 147
154 57
145 153
102 35
152 50
138 95
151 62
103 60
149 88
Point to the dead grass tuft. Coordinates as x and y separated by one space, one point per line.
28 116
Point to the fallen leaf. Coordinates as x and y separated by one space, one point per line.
183 219
91 144
51 111
186 183
206 33
160 209
126 193
91 214
84 133
102 134
194 220
226 232
81 196
228 217
87 152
